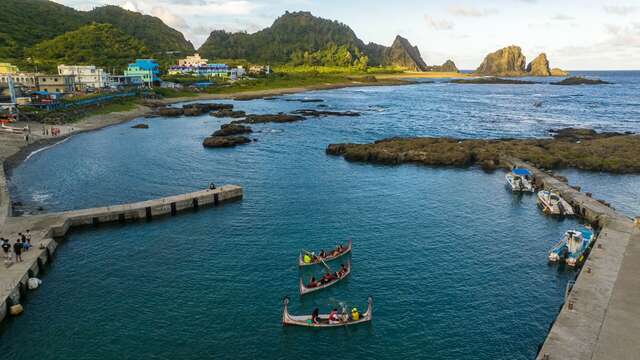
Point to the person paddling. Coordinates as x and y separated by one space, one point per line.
314 316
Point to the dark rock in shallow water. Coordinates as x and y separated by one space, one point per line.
305 100
169 112
488 165
232 129
225 141
491 80
580 81
201 108
317 113
228 114
277 118
140 126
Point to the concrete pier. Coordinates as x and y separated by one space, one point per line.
44 228
600 319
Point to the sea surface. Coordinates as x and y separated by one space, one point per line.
456 264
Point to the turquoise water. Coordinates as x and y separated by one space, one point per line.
456 264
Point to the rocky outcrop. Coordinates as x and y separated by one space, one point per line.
202 108
169 112
448 66
276 118
140 126
508 61
225 141
580 81
318 113
559 72
232 129
539 66
228 114
404 55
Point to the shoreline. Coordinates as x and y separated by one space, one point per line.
14 150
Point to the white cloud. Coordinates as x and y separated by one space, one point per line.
438 24
459 10
562 17
620 9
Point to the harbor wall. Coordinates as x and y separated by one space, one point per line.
45 228
600 318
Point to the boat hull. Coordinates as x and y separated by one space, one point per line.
305 320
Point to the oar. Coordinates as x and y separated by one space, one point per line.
325 265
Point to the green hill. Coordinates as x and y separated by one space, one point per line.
293 32
299 38
94 44
154 33
25 23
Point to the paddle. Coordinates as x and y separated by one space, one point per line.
325 265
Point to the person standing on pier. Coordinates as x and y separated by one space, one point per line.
17 249
28 237
5 248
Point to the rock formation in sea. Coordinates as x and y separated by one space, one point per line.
225 141
405 55
448 66
559 72
539 66
576 80
508 61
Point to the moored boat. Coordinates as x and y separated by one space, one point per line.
573 246
553 204
323 319
520 180
14 129
315 259
304 289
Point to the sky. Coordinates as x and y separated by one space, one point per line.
575 34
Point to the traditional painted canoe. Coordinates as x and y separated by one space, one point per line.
347 249
304 320
306 290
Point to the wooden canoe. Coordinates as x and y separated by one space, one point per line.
303 320
347 250
306 290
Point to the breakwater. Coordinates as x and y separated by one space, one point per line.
601 313
45 228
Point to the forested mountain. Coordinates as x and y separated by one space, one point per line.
297 32
299 38
154 33
24 23
102 44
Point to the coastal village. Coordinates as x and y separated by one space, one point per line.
239 94
47 91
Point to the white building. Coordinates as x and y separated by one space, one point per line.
193 61
86 76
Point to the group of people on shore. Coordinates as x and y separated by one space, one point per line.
13 252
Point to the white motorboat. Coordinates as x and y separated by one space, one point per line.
520 180
553 204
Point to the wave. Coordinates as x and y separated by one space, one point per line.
45 148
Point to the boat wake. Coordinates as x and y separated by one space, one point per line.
45 148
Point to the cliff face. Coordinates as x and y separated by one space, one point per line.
539 66
508 61
403 54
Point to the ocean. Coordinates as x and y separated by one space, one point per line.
456 263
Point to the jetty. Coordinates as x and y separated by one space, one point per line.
600 318
46 228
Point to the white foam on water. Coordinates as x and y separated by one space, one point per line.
45 148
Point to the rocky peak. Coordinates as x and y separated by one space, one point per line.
405 55
508 61
539 66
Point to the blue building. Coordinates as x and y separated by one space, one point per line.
209 70
147 69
